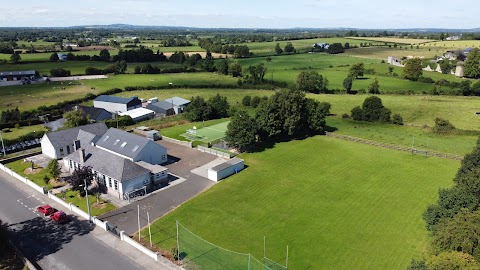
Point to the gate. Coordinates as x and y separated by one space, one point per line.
113 229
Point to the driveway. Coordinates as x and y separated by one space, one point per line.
182 160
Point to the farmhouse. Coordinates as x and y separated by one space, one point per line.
139 114
117 104
17 75
61 143
179 104
92 113
162 108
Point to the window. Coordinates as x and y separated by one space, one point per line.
61 151
164 157
109 182
123 144
135 148
146 181
116 184
70 164
68 149
116 142
106 138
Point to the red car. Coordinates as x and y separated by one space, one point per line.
59 217
46 209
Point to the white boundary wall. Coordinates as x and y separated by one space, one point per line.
124 237
187 144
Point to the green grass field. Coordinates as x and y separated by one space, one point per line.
27 97
393 40
404 135
19 167
286 68
416 110
14 133
336 204
81 202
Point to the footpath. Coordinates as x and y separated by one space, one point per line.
123 247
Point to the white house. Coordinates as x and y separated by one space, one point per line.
116 104
132 147
225 169
61 143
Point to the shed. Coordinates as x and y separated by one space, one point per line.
225 169
139 114
153 135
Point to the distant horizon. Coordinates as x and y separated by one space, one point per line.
250 14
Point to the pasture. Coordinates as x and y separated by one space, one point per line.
285 68
336 204
393 40
415 110
32 96
45 56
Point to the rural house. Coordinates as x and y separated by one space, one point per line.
91 113
61 143
116 104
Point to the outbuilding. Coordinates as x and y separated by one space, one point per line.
139 114
17 75
225 169
161 108
117 104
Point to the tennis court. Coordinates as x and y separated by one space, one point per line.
207 134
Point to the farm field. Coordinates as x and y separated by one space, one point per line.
422 138
415 110
17 132
32 96
393 40
157 46
287 67
329 201
42 57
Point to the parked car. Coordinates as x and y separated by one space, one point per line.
46 209
59 217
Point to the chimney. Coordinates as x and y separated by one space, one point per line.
82 155
76 145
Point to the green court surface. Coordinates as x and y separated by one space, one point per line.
207 134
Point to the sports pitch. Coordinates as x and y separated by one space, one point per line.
206 134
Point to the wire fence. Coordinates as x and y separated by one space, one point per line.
197 253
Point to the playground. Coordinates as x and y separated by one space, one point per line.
206 134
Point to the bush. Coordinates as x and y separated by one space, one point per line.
246 100
60 72
345 116
397 119
255 101
357 113
93 71
443 126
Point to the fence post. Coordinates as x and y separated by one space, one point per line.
178 245
248 261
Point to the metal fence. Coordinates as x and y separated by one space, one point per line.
214 152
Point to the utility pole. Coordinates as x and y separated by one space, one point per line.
3 146
88 203
138 218
149 231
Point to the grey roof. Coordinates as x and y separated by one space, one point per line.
226 164
177 101
162 104
16 73
121 100
151 167
109 164
68 136
123 143
92 112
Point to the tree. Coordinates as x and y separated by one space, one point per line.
223 67
241 131
476 89
236 69
104 55
74 118
335 48
60 72
413 69
357 113
257 73
137 70
255 101
15 58
453 260
317 112
357 70
372 108
310 81
79 177
242 51
445 66
289 48
472 64
53 169
278 50
246 100
373 88
417 265
219 107
347 84
54 57
120 67
197 110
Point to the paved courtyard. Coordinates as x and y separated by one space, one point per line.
182 161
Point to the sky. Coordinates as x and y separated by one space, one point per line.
373 14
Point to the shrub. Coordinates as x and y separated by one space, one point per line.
397 119
246 100
60 72
345 116
357 113
443 126
255 101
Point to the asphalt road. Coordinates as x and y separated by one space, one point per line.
50 245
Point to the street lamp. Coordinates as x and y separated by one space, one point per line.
88 203
3 146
